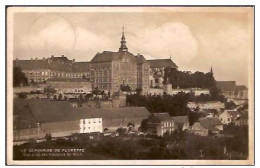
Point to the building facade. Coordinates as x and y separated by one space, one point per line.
70 86
40 70
89 125
206 105
157 71
109 70
232 91
160 123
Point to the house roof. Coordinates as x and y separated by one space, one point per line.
180 120
109 56
210 123
160 63
81 67
163 116
140 59
56 111
240 87
53 63
226 85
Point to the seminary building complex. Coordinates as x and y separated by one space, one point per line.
106 71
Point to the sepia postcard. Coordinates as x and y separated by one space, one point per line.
130 85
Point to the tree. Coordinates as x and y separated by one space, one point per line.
144 125
19 77
230 105
130 126
138 91
22 95
193 116
121 131
125 88
96 91
60 97
48 137
49 90
189 80
55 97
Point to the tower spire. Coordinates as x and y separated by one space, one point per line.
211 70
123 42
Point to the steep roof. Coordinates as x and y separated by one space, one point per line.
140 59
210 123
53 63
163 116
226 85
240 87
81 67
55 111
109 56
160 63
180 120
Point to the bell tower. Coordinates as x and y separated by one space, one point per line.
123 47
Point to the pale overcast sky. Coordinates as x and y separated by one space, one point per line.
196 38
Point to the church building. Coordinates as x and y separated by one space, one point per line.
109 70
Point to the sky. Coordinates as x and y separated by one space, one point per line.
196 39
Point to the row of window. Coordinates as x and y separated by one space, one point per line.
37 79
89 122
101 72
104 86
168 124
101 80
92 120
92 128
59 74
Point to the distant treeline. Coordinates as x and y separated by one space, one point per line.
19 77
189 80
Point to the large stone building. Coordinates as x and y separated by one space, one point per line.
109 70
157 70
232 91
40 70
106 71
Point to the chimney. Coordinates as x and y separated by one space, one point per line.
73 61
36 59
62 55
43 59
52 56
